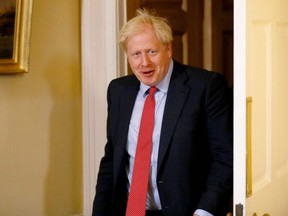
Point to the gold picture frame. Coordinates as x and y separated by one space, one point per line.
15 27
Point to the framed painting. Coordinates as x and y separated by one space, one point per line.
15 25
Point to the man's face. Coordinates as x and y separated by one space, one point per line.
149 59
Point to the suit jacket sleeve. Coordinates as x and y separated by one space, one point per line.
111 187
220 139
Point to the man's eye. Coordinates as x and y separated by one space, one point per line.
136 54
152 52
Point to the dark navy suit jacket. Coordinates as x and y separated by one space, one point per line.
195 161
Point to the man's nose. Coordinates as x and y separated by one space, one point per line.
145 59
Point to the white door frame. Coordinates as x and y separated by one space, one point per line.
239 103
101 61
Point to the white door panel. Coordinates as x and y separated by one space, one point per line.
266 83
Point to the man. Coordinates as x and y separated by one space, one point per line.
192 152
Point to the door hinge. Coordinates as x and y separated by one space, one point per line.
239 209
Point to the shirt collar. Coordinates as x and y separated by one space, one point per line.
162 85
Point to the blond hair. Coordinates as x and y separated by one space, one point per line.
143 16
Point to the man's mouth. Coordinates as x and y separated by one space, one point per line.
149 72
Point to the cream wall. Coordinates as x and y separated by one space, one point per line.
40 119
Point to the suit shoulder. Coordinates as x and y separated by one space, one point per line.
193 72
122 82
201 73
204 75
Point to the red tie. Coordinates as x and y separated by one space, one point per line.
138 191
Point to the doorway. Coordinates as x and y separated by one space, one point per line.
108 15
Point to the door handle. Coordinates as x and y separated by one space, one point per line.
266 214
249 147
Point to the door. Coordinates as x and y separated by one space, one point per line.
266 81
222 38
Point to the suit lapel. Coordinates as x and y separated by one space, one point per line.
176 99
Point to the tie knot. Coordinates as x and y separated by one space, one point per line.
152 90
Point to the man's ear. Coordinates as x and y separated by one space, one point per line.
169 49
